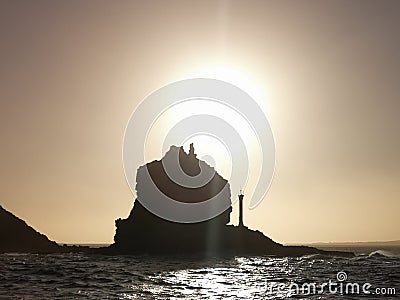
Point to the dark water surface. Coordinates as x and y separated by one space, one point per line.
80 276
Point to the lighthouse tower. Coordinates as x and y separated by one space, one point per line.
241 209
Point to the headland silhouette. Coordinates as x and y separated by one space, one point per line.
17 236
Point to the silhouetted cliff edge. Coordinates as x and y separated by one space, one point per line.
145 233
17 236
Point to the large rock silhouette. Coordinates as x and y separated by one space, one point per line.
145 232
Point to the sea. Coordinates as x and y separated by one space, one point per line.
374 275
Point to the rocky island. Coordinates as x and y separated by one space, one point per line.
146 233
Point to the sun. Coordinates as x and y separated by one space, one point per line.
209 148
234 75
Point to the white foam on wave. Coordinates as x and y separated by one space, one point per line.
384 253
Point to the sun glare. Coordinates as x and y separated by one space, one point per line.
208 147
235 76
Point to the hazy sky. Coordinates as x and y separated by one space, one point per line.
72 72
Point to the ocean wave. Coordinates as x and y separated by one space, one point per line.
384 253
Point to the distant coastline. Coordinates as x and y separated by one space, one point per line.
382 247
355 244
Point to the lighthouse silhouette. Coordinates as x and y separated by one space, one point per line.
241 209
